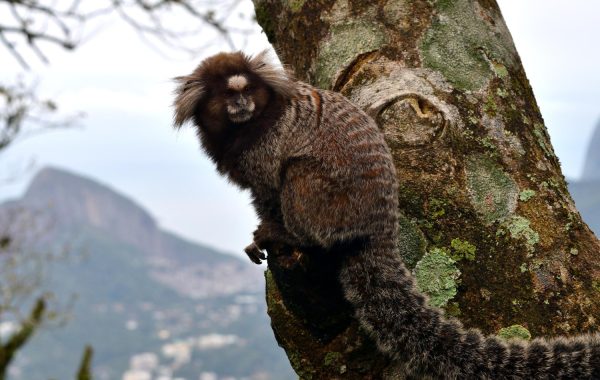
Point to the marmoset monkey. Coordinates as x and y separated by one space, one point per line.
321 174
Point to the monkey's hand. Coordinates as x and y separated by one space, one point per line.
267 236
263 239
255 254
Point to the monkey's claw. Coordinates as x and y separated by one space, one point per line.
254 253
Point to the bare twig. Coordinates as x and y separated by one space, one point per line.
23 114
13 51
43 22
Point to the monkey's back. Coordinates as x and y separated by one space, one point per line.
340 166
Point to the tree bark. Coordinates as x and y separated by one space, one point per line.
488 226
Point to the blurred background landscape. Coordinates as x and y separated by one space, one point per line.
151 303
127 232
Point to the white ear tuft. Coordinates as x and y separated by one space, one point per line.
188 94
274 76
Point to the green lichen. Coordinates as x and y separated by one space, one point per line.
514 332
436 208
302 368
500 70
295 5
437 276
493 192
411 242
462 250
596 285
345 43
523 268
331 358
270 284
263 17
490 106
299 365
488 143
526 195
538 131
463 48
519 228
453 309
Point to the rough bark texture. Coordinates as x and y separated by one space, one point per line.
489 228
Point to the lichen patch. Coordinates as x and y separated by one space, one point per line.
295 5
411 242
514 332
526 195
519 228
493 192
506 141
438 277
460 46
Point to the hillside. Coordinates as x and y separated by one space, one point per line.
147 300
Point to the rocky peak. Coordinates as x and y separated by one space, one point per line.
74 200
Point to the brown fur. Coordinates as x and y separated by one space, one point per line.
321 175
222 139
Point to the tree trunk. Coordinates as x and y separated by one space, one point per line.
488 226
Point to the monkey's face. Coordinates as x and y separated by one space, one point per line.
231 91
245 98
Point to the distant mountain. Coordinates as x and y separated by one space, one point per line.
587 200
591 170
149 302
71 203
586 191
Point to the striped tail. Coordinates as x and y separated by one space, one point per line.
395 314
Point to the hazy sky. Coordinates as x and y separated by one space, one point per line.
126 140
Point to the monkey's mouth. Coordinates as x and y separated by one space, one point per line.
241 111
241 116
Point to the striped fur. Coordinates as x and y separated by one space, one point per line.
322 174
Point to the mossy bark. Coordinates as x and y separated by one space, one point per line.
479 180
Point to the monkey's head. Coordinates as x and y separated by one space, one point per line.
228 90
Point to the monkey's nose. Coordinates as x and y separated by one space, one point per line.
240 102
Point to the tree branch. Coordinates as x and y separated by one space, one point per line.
85 367
18 339
42 22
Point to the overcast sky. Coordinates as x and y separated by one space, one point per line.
126 140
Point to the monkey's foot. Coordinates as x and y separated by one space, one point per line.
268 235
255 254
